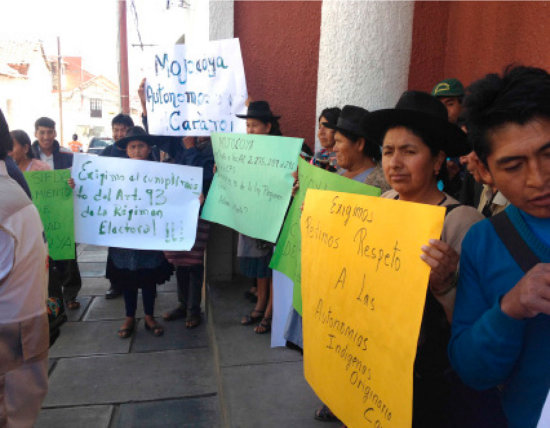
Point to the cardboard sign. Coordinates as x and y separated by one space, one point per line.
363 290
253 183
196 89
53 197
135 204
286 258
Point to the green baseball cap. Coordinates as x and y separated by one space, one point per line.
448 88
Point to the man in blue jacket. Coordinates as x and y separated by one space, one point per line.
65 281
501 324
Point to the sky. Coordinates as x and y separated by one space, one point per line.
89 28
85 28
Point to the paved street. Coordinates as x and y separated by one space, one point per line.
217 375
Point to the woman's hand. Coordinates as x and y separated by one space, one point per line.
71 183
443 260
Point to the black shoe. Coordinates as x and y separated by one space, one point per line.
175 314
111 293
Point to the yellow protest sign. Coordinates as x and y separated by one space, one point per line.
363 292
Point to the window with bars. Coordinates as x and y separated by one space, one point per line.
95 107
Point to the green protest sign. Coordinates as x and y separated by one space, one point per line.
287 256
253 183
53 197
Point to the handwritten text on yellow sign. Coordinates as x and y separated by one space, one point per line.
363 290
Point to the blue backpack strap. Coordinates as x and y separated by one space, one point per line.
514 243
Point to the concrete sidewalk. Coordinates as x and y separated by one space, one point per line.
220 374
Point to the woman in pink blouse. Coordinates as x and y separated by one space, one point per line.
22 153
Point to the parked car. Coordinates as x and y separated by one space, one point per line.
97 144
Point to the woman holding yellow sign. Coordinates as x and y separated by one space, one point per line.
416 138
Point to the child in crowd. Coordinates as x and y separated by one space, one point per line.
131 269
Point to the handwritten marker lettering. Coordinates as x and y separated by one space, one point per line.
136 204
196 89
53 198
362 311
252 187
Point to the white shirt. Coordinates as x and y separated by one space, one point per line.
47 159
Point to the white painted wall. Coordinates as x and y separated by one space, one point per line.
196 24
364 53
221 19
221 251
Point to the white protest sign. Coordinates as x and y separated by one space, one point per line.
544 421
135 204
196 89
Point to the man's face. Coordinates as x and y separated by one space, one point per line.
519 164
453 107
46 137
119 131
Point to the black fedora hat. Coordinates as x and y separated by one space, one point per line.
351 120
258 110
420 110
139 134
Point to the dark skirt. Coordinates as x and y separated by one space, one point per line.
255 267
125 278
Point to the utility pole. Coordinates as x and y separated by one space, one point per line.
123 58
59 90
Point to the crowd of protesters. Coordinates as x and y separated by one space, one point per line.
481 152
